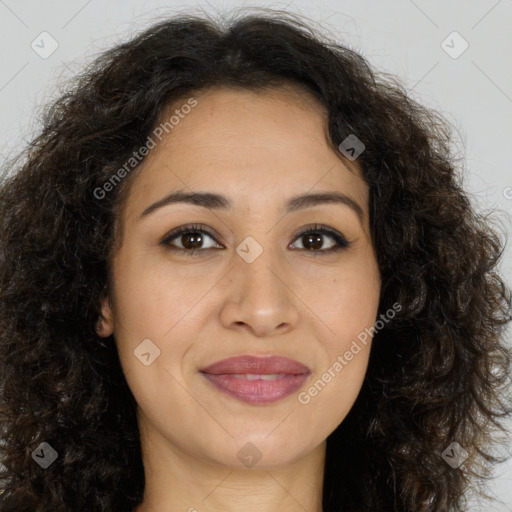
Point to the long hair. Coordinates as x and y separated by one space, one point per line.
438 372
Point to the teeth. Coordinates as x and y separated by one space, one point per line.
255 376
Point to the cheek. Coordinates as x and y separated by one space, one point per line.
152 316
147 306
347 300
348 306
329 397
155 302
151 297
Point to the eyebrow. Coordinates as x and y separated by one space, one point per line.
217 202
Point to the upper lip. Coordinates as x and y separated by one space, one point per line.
256 365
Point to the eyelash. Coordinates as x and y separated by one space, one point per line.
340 240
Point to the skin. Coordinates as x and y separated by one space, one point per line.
258 149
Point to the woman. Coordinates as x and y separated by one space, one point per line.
238 267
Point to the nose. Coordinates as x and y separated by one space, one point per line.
260 297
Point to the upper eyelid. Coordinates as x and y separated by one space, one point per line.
185 229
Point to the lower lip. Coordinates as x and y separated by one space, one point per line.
257 391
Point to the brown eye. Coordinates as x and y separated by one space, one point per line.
191 239
313 240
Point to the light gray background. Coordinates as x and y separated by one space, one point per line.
403 37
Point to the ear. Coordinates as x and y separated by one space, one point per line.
105 324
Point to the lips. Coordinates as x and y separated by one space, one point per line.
257 365
256 379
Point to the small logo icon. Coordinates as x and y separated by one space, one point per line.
507 192
351 147
249 455
454 45
146 352
44 45
455 455
249 249
44 455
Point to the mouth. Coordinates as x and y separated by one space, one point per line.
256 379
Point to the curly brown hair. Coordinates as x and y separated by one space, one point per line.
438 373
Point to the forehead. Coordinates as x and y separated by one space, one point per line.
256 147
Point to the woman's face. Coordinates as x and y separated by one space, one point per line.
254 286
